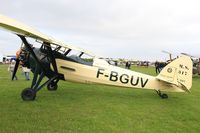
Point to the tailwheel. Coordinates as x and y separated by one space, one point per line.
162 95
52 86
28 94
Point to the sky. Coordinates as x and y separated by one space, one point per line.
133 29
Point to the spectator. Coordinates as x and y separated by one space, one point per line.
128 65
11 68
26 72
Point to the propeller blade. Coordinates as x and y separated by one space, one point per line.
16 67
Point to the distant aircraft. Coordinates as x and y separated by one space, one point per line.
54 61
170 54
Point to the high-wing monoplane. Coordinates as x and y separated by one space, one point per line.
54 60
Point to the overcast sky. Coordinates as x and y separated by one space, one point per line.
135 29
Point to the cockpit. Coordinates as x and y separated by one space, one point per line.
78 57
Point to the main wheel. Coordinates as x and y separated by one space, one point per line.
164 96
52 86
28 94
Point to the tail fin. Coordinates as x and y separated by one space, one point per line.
178 72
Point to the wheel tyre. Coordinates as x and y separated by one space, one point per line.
164 96
28 94
52 86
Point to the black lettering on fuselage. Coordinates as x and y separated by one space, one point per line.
124 78
99 72
134 83
143 84
113 76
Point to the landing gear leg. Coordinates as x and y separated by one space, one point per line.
29 94
162 95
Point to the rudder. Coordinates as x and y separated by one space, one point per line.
178 72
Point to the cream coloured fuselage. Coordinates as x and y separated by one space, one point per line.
100 72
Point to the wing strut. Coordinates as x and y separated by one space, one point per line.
30 49
52 57
40 71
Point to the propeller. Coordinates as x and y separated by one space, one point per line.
18 59
16 67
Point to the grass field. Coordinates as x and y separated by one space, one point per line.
80 108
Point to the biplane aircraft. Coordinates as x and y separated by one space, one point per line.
54 61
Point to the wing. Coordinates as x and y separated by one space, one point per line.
21 29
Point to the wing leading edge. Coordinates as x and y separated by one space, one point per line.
24 30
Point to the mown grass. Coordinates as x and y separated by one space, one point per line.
80 108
